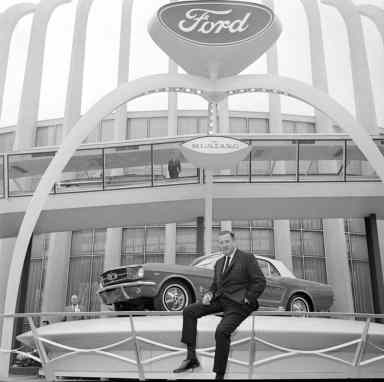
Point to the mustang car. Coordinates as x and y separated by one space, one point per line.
168 287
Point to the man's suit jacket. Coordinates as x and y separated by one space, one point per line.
242 279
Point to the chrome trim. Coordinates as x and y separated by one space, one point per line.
131 284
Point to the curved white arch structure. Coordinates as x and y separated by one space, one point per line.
376 15
8 22
72 110
30 98
145 85
364 102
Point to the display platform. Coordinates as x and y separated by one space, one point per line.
280 347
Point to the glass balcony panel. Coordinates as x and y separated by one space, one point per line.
358 167
273 161
128 166
171 167
84 172
26 170
2 180
321 161
237 174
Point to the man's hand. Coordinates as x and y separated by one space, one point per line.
207 298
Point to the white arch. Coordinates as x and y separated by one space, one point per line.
133 89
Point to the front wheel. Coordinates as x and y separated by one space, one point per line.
299 303
174 296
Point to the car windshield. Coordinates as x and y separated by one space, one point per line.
207 262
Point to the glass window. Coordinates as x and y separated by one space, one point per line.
83 172
42 136
170 165
158 127
107 130
85 266
238 125
308 254
128 166
187 125
243 238
26 170
262 242
6 142
208 263
258 126
143 245
203 125
137 128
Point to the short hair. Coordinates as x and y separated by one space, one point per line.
221 233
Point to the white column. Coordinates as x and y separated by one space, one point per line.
338 273
364 103
170 229
76 72
8 21
112 256
208 218
30 98
55 286
376 15
224 128
56 276
334 237
317 54
282 235
123 70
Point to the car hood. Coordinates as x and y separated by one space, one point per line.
307 283
161 267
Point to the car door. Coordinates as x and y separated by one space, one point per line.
273 295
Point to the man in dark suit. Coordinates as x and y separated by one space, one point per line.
238 282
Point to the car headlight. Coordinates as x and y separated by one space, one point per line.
140 273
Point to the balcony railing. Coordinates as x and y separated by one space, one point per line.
134 164
348 354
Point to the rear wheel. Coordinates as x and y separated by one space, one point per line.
299 303
174 296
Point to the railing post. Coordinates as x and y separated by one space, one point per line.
42 353
140 368
252 349
345 160
362 344
297 161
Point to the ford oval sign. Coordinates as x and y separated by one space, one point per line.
215 152
216 22
214 39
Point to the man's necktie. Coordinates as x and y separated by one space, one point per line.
225 263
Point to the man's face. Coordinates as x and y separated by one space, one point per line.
226 244
74 300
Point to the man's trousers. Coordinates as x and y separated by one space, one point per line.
234 314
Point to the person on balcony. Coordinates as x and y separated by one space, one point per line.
237 284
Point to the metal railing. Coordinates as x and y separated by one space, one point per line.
138 164
136 340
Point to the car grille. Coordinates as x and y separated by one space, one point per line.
117 276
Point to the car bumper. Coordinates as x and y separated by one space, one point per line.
127 291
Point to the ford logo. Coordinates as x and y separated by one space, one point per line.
216 22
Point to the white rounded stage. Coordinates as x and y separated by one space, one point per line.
278 348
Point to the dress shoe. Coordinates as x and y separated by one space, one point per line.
187 364
219 376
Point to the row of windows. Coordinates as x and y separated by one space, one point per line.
147 244
155 127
